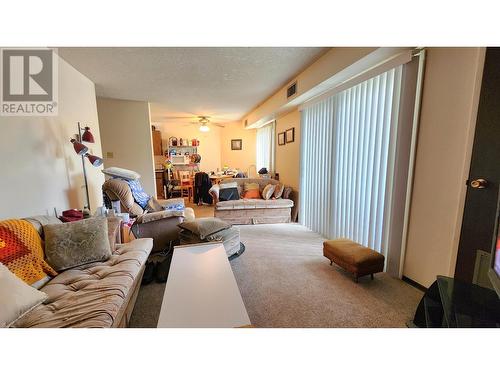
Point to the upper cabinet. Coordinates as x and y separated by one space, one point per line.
157 146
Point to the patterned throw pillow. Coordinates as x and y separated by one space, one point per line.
22 252
268 191
69 245
278 191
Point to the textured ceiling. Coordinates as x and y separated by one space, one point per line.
222 82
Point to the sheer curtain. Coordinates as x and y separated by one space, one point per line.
347 161
265 147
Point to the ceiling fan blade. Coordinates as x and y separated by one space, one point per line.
219 125
177 117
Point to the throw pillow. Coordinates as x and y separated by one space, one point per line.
205 226
278 191
17 298
287 192
113 231
251 194
268 191
69 245
229 194
22 252
126 174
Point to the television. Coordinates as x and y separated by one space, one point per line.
494 270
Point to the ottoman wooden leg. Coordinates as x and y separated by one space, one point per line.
372 276
331 262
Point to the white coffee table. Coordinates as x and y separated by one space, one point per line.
201 290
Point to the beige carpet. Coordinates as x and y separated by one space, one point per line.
286 282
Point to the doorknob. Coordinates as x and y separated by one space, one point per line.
479 183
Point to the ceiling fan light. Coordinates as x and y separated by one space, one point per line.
204 128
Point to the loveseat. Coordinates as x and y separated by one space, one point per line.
99 294
252 211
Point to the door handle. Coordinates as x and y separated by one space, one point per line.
479 183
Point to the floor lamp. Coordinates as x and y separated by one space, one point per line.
82 150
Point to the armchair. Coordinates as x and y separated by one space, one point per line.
154 221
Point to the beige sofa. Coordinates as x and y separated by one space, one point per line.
252 211
95 295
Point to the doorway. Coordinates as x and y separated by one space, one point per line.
483 180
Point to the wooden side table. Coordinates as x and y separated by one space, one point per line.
125 232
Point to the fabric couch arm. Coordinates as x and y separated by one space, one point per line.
158 215
214 192
162 230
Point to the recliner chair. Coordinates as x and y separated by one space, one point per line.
153 222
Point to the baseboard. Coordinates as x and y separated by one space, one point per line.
414 284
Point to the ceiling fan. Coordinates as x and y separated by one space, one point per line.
203 121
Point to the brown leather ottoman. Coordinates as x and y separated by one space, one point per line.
353 257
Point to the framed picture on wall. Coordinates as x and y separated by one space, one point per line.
290 135
236 144
281 139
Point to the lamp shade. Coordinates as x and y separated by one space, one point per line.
80 149
87 136
94 160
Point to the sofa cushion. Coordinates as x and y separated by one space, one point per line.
72 244
247 204
91 295
205 226
17 297
113 231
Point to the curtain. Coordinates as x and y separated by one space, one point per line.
265 147
347 161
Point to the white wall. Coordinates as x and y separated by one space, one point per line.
210 142
126 138
39 168
447 123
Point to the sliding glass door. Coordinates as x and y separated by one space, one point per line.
347 161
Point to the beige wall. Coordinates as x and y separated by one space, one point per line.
287 159
447 123
238 159
40 170
448 115
210 142
332 62
126 138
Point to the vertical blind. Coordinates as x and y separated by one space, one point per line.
265 147
347 161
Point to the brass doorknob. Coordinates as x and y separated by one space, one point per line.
479 183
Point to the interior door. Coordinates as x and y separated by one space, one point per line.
484 175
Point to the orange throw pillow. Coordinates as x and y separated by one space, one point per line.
251 194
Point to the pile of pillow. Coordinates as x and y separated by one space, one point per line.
26 266
251 190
